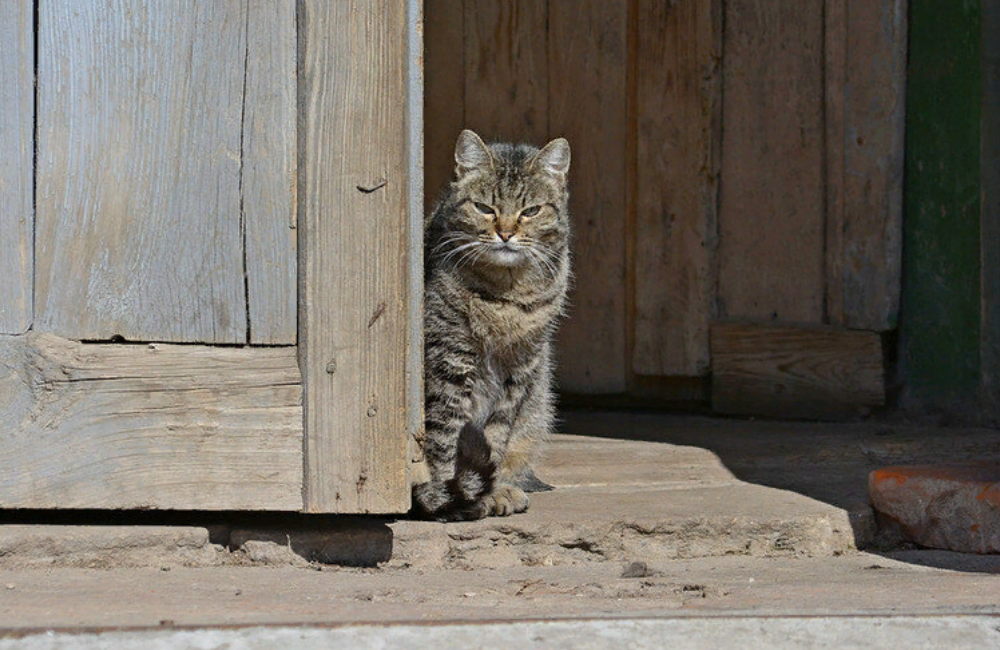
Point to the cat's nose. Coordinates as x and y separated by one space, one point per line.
505 234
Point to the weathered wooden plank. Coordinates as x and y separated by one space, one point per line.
354 224
940 340
151 426
506 80
444 97
864 244
814 372
990 218
771 200
587 65
415 93
835 96
17 110
268 181
139 127
678 104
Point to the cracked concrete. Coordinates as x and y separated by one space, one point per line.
701 517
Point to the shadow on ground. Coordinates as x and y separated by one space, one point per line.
824 461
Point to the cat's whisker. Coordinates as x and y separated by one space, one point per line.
447 241
459 249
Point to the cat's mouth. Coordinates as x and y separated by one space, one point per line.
506 254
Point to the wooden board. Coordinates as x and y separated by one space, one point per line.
940 339
835 98
139 132
444 96
588 64
353 251
771 208
506 78
17 110
866 85
151 426
795 372
678 104
990 219
268 175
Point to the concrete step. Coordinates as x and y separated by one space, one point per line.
618 500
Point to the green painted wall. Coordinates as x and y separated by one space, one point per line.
940 320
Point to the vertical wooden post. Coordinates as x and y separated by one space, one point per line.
941 308
356 253
17 111
990 219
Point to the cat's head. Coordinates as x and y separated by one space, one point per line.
510 201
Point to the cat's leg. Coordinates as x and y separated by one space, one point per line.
453 491
530 416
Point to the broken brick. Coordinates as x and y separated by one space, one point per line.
952 507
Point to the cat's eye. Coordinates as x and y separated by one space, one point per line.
483 208
532 211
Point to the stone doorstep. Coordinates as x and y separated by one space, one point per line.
567 526
952 507
106 546
615 500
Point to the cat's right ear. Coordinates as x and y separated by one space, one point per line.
471 153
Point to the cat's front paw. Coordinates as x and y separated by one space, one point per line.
506 500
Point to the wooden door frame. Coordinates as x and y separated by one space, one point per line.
326 426
360 251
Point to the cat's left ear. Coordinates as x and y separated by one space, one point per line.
553 158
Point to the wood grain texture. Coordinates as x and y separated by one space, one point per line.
444 93
835 96
268 175
17 110
151 426
795 372
353 254
587 98
864 244
506 80
771 209
415 233
678 104
990 219
139 128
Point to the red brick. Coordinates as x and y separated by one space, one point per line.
953 507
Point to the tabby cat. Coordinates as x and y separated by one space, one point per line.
497 268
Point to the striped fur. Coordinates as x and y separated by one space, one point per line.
496 274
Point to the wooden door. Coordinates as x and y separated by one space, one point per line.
206 302
735 190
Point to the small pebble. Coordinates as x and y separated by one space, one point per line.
636 570
10 585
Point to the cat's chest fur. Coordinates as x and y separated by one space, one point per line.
504 327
